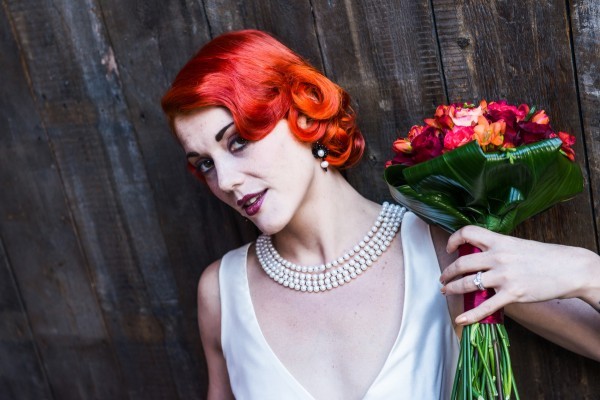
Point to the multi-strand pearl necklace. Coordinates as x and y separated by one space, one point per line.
333 274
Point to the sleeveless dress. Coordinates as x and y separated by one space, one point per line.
421 362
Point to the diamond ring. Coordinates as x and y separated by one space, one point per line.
477 281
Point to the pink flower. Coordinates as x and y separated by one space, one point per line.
468 116
458 136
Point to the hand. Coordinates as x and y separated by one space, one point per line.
520 271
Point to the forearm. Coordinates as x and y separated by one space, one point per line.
569 323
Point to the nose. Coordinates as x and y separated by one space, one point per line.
229 177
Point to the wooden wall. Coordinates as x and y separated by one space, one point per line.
103 234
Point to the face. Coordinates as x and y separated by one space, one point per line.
266 181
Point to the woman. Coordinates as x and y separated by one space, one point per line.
339 298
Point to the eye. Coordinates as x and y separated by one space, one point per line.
204 166
237 143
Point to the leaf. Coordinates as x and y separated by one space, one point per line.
495 190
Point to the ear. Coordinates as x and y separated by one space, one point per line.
304 122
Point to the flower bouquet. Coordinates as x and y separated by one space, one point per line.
492 165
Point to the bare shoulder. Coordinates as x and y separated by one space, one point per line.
440 240
455 303
209 304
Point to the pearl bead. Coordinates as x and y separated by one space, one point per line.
324 164
320 278
321 153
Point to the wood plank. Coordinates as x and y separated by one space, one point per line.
521 51
77 84
384 53
290 21
585 24
22 374
163 34
525 68
50 272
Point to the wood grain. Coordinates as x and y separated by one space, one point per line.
103 234
384 54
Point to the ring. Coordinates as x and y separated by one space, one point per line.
477 281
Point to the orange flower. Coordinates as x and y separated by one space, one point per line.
541 118
402 146
488 134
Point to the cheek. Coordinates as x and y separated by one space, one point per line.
215 190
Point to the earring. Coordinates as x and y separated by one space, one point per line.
321 151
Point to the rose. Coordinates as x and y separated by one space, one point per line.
458 136
530 132
510 114
427 145
468 116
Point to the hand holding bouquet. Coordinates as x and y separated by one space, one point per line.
491 165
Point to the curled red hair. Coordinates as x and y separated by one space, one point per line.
261 81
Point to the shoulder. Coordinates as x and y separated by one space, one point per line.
440 240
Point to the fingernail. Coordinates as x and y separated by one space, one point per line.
443 290
461 320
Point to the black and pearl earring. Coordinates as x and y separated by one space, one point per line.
321 151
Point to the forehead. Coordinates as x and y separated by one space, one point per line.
201 126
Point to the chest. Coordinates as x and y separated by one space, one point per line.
335 343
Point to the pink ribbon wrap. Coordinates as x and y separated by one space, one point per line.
473 299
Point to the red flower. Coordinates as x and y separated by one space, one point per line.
458 136
427 145
530 132
567 142
510 114
443 118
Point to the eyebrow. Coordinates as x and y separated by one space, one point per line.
218 138
220 134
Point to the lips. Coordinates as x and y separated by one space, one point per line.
251 203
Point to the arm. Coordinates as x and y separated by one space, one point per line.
209 322
525 271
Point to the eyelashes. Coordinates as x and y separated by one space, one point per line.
235 144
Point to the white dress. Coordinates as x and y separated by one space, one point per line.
420 365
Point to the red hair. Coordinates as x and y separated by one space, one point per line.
261 81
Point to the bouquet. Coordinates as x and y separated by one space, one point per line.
492 165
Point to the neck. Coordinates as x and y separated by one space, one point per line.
332 219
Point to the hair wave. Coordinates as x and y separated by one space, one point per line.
261 81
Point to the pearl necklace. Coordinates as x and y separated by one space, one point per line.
336 273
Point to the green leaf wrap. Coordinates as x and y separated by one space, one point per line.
496 191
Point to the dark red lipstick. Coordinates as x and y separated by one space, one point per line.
251 202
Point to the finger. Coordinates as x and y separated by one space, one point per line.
471 234
464 265
467 284
483 310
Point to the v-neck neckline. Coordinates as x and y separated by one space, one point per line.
282 366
